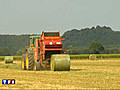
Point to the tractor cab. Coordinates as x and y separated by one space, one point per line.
33 40
52 44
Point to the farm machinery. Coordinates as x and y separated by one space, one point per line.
45 53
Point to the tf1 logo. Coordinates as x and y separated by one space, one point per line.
8 81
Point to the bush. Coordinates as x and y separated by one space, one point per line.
2 58
17 57
82 56
99 56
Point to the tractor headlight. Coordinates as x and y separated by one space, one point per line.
50 43
58 43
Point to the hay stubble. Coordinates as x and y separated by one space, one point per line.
84 74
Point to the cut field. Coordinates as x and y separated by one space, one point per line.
84 74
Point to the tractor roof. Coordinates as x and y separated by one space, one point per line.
37 36
51 31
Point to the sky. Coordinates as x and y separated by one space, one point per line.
35 16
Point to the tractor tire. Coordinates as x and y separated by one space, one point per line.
29 61
23 62
37 66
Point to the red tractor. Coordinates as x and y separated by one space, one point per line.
45 53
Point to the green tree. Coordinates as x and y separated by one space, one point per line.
96 47
21 51
4 51
70 49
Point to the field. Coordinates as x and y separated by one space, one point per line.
84 74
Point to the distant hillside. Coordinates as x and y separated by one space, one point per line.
82 38
78 39
10 44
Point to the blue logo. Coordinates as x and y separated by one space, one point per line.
4 81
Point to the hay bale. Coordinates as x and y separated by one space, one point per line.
60 62
8 59
92 57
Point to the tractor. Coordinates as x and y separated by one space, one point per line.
45 53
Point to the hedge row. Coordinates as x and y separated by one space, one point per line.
81 56
17 57
14 58
2 58
108 55
99 56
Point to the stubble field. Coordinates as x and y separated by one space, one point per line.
84 74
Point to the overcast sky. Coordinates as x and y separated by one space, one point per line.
35 16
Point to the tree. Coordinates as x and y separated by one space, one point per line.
21 51
96 47
4 51
70 49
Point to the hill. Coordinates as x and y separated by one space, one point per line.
82 38
76 40
11 44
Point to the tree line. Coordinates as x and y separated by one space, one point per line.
13 44
76 41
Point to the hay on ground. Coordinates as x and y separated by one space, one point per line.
60 62
93 57
8 59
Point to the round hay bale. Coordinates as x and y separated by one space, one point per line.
92 57
60 62
8 59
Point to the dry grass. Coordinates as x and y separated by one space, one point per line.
84 74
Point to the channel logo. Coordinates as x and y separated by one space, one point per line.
8 81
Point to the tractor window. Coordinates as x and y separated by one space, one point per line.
51 34
31 41
34 41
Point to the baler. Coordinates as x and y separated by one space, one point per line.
45 53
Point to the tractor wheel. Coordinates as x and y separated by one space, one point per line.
37 66
23 62
29 61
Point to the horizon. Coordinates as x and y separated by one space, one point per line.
34 16
55 31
